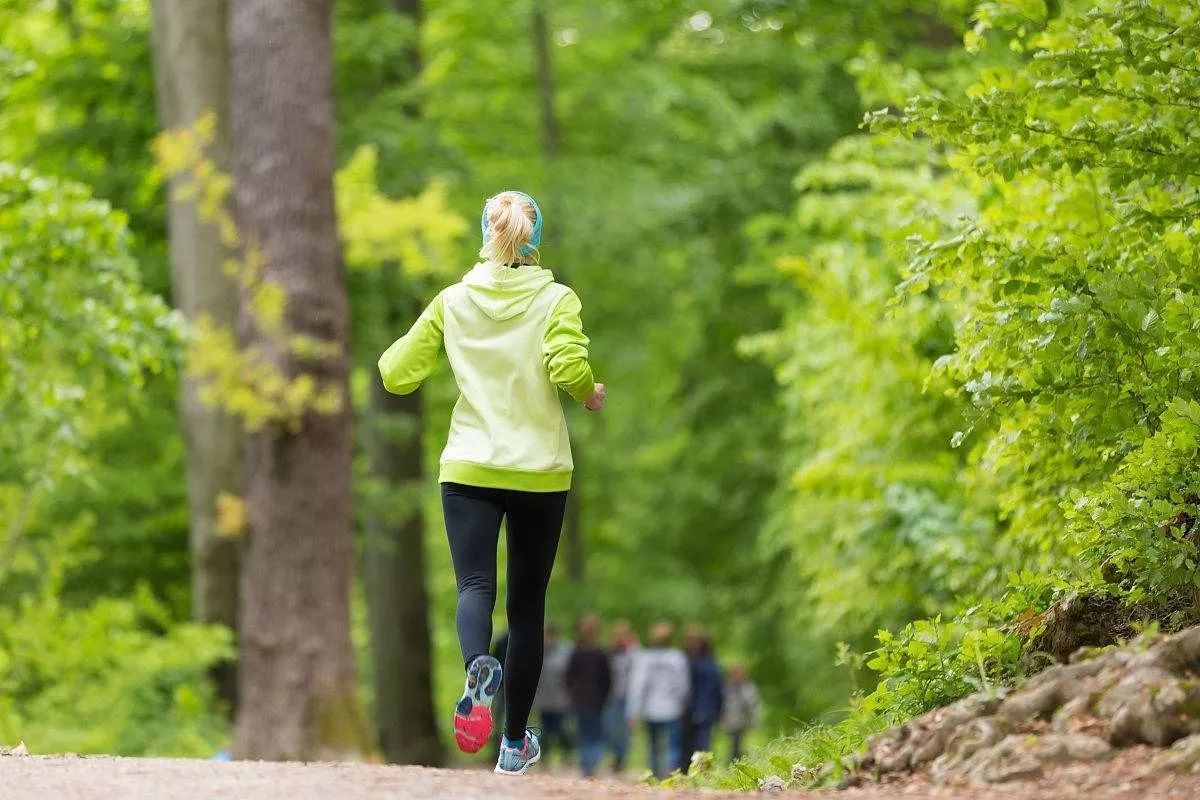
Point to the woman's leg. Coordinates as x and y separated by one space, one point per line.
473 526
534 523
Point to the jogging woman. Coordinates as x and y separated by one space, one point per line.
513 338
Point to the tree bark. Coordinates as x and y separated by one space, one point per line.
297 676
191 58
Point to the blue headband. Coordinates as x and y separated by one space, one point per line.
535 238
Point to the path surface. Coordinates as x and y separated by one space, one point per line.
104 778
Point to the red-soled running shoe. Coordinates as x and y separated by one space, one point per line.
473 714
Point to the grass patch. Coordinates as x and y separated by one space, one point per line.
817 755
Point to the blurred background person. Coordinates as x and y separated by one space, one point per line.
742 708
704 698
552 702
658 695
589 680
622 651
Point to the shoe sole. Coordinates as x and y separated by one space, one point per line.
473 712
523 769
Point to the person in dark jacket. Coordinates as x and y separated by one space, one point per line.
706 698
589 680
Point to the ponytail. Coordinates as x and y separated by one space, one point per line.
512 228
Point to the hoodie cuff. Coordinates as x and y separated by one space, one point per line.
582 390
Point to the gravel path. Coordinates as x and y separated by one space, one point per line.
104 778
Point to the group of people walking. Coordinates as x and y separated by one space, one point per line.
592 696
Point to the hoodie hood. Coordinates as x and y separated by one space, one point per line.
504 292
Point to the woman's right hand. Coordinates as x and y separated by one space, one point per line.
596 401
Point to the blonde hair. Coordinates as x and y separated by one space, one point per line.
510 217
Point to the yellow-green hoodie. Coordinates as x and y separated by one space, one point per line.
512 335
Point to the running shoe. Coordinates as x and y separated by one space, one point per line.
514 761
473 714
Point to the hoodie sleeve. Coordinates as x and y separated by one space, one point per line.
565 349
412 357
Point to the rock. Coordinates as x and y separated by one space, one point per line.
1150 705
1009 760
913 745
1143 693
1183 757
964 744
1065 748
804 774
772 784
1074 714
1020 757
1181 652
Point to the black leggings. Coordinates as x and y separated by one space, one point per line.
473 516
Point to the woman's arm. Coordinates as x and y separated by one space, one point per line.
412 357
565 350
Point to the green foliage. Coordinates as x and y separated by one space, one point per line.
1078 330
932 663
111 676
816 755
77 102
794 451
247 381
81 339
420 234
79 334
1032 388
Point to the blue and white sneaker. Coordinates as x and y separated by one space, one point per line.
515 761
473 712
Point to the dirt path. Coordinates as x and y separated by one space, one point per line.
102 778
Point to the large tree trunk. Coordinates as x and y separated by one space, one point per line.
191 75
394 548
297 676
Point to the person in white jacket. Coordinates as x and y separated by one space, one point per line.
659 684
741 708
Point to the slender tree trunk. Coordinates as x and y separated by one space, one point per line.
545 83
297 676
394 547
548 131
413 10
191 75
394 581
